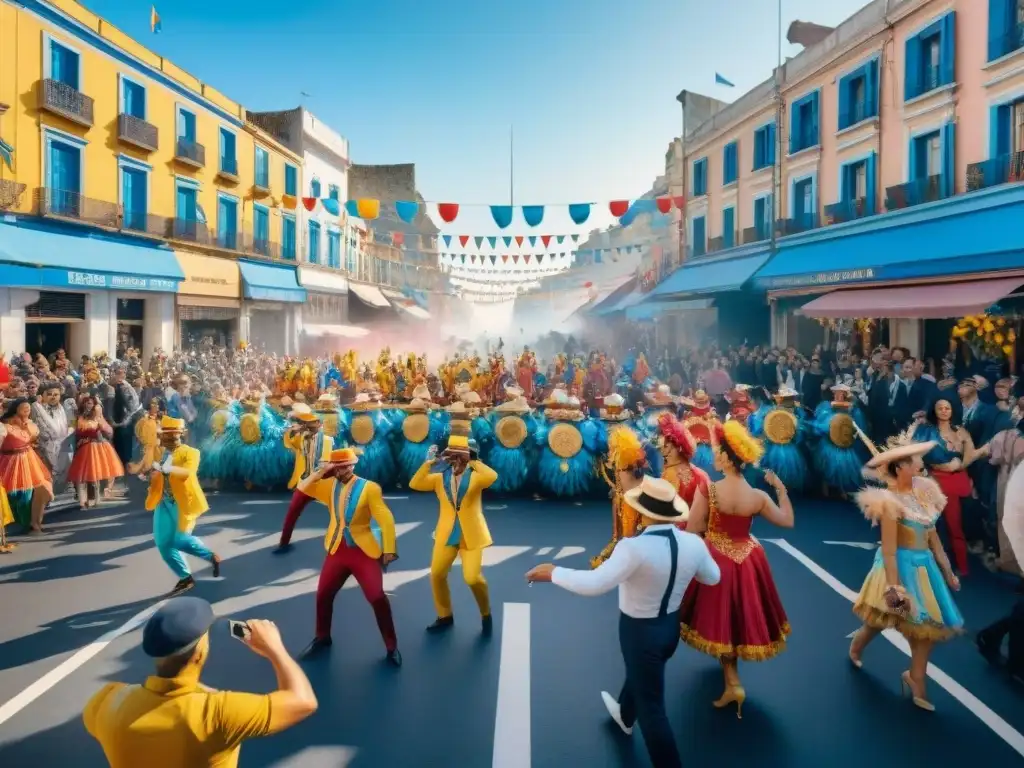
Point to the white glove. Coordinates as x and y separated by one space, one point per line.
158 467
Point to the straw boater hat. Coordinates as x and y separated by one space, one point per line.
457 407
421 392
786 393
657 499
614 408
458 444
327 401
910 450
660 396
513 392
345 457
515 405
299 412
470 397
417 405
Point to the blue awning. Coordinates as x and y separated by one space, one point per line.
34 256
714 275
627 301
651 309
269 282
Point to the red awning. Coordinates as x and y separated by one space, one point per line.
920 302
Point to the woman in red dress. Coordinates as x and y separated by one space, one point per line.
21 468
95 458
741 617
677 446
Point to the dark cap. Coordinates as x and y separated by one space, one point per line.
175 626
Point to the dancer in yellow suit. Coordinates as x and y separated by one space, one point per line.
459 480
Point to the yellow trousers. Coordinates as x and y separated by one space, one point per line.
472 571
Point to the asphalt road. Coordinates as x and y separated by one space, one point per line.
69 602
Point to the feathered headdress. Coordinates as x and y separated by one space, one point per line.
748 449
677 435
625 451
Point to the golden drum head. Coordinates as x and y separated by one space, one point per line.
416 427
780 427
330 424
565 441
219 422
249 427
362 429
511 432
841 431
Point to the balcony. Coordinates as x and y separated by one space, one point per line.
923 190
1003 45
137 132
188 230
997 170
74 206
190 153
845 210
755 234
63 100
258 247
228 169
802 222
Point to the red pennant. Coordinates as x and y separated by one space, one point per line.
519 240
309 203
463 239
679 202
526 258
664 204
546 239
515 256
448 211
398 238
618 208
504 258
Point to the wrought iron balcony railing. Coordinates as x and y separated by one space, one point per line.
71 104
190 231
135 131
258 247
716 244
68 204
190 153
845 210
755 234
995 171
924 190
802 222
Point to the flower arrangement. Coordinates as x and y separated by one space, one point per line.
988 335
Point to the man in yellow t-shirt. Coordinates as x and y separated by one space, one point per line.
172 720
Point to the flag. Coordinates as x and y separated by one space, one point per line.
154 20
719 80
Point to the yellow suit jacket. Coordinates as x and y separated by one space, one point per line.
356 514
304 447
461 501
187 493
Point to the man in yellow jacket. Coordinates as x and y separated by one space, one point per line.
177 501
360 542
459 481
306 439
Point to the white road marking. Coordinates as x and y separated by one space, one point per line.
545 550
565 552
495 506
854 544
262 503
512 748
395 498
336 757
972 703
498 554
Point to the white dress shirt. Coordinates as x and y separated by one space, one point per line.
640 567
1013 513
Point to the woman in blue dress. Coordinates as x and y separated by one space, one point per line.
911 583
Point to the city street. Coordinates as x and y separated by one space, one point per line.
527 696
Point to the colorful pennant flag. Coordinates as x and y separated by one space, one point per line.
533 214
155 25
448 211
407 210
579 212
502 215
719 80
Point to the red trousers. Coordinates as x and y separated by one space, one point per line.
956 486
352 561
295 507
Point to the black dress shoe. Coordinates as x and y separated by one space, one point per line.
281 549
216 566
442 625
487 625
394 658
315 648
183 586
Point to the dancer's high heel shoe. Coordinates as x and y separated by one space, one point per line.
855 657
907 686
734 693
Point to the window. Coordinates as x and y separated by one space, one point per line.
288 237
186 126
1017 129
313 251
858 95
857 183
764 214
228 154
314 188
700 241
227 222
803 130
700 177
333 192
63 175
764 146
1005 27
134 196
730 163
189 219
1007 129
133 98
931 57
728 227
291 180
65 65
261 230
334 249
804 208
926 156
262 164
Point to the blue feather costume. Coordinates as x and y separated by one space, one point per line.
263 460
837 453
216 461
565 467
507 440
369 429
784 432
414 431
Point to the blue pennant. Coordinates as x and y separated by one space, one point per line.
407 210
579 212
534 214
502 215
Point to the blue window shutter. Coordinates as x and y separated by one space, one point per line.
948 184
772 141
947 57
729 227
845 185
999 20
871 88
999 131
870 177
815 121
912 65
843 112
794 126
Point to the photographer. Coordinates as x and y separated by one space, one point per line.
172 719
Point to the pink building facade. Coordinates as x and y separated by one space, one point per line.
888 154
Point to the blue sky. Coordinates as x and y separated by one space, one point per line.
589 85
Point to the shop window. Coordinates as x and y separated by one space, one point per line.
55 305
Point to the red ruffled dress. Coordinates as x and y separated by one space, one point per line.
741 616
95 458
21 469
687 479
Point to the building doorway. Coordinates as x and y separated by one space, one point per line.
48 321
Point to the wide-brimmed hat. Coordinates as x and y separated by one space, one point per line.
513 391
470 397
306 417
907 451
785 393
345 457
701 399
421 392
516 405
299 411
457 407
417 404
657 499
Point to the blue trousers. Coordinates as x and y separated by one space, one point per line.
171 542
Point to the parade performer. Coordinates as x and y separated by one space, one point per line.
836 453
179 404
177 501
740 404
333 420
677 447
569 445
263 460
361 541
458 481
742 616
311 447
421 427
95 459
783 431
910 585
6 518
508 445
54 446
147 433
221 445
701 421
23 475
526 370
369 430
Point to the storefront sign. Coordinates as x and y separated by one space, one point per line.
209 275
821 278
54 277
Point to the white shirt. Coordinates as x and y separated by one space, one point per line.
640 567
1013 513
